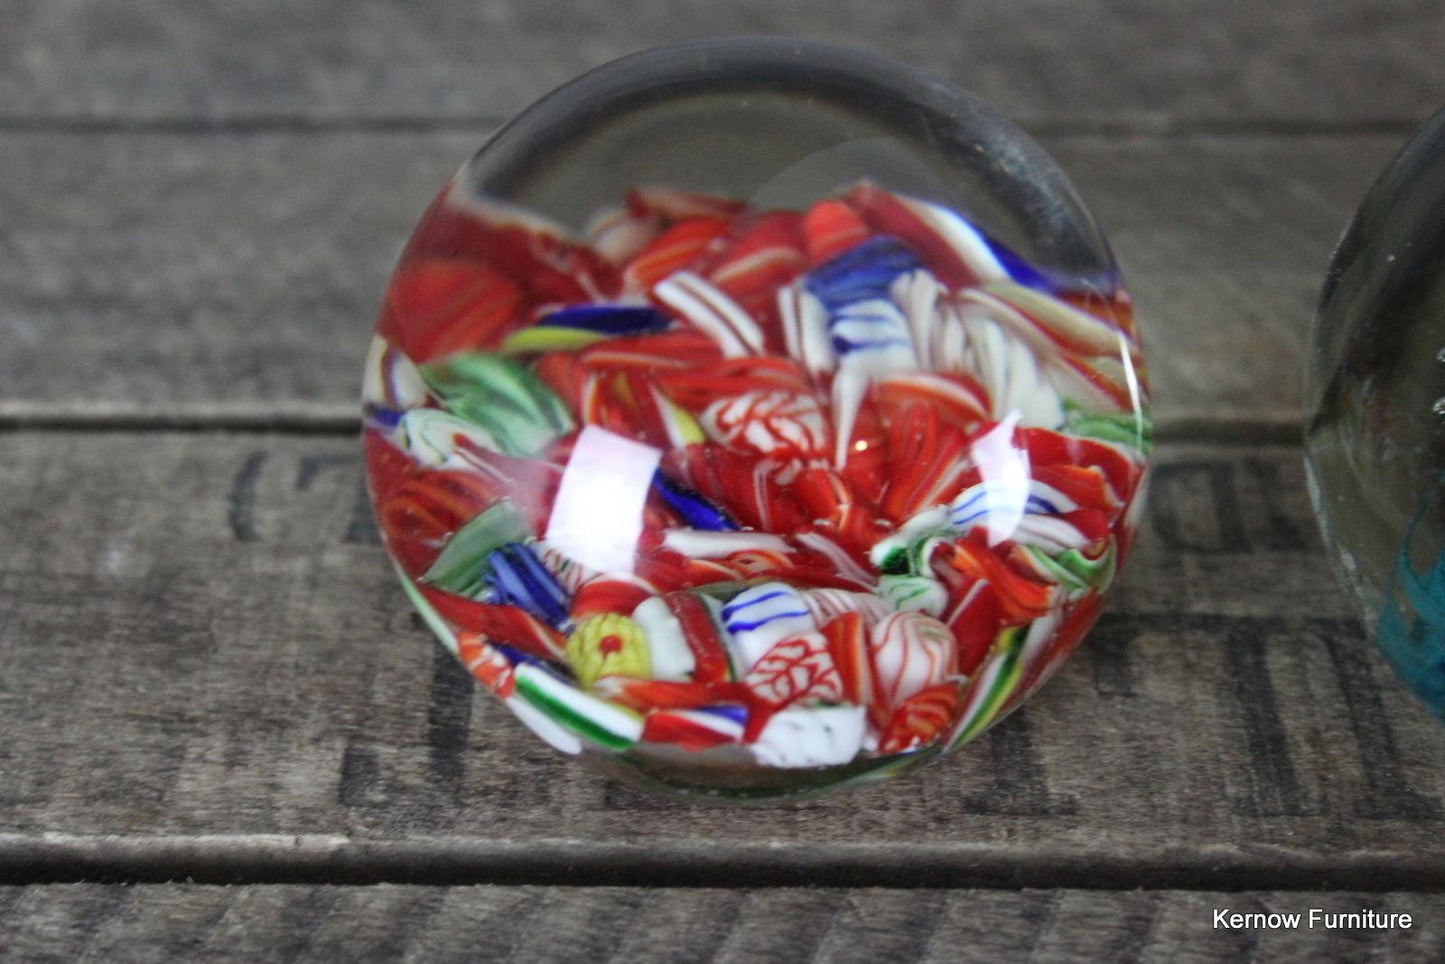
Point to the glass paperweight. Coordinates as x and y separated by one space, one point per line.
1375 412
753 417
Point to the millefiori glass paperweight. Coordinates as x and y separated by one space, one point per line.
753 417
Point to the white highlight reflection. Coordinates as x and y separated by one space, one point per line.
597 517
1005 471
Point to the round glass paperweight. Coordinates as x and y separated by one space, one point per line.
755 417
1375 412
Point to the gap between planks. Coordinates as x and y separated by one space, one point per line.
1143 125
336 422
53 858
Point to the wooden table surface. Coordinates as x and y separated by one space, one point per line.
209 676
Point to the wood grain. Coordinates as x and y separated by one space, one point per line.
210 671
1048 62
235 278
542 924
207 671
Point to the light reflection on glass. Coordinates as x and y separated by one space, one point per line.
597 518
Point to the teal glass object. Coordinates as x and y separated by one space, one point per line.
1411 627
1375 412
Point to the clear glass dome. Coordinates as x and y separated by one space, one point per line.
1375 412
757 416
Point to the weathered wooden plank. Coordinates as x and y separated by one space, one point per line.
236 277
205 652
1047 61
540 924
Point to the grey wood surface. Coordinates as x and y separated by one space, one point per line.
210 672
651 926
235 277
1047 61
207 671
